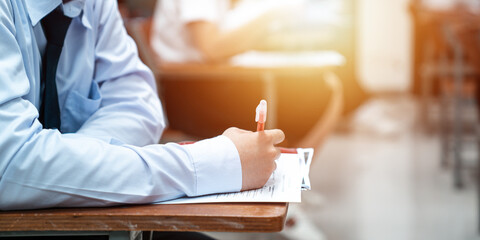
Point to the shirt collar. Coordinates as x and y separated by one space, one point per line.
37 9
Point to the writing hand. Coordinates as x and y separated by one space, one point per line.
257 154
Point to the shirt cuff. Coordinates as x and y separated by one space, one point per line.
217 165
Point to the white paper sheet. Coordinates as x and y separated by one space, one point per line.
258 59
285 184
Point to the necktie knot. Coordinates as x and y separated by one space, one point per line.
55 26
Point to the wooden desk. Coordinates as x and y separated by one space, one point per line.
268 76
118 221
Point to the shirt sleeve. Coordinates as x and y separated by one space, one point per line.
130 110
42 168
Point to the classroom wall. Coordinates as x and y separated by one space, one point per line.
384 45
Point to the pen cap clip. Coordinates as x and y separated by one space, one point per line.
261 112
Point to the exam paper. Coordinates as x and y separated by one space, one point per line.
285 184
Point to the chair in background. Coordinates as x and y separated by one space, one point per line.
446 64
451 57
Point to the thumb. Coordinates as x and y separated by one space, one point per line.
277 135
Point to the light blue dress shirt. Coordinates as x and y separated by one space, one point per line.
111 119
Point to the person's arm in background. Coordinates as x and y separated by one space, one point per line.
42 168
217 44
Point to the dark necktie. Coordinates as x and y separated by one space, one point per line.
55 26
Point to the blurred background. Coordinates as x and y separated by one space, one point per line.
385 91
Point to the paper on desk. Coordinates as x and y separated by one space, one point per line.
285 184
259 59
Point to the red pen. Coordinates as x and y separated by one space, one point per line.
260 118
261 115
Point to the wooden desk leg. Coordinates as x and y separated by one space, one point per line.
444 125
478 171
458 117
428 71
270 94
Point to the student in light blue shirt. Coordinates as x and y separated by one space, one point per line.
105 151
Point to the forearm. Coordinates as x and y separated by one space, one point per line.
216 45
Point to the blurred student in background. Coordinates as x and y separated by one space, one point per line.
192 30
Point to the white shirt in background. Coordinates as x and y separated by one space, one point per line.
170 39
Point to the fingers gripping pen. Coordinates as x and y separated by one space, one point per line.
261 115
